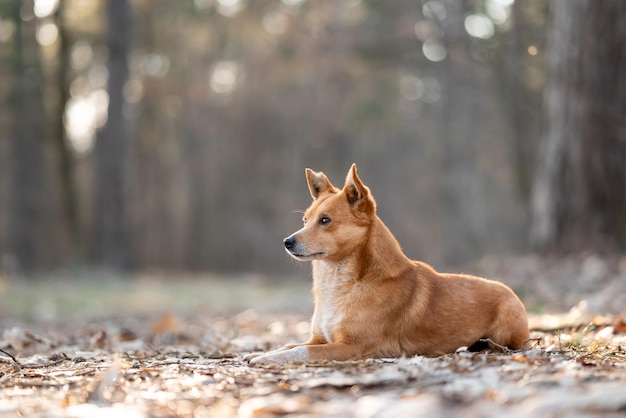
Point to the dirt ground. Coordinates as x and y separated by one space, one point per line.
150 349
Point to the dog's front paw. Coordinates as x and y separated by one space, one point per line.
249 357
292 355
258 361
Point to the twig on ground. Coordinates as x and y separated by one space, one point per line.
500 347
505 349
537 340
43 366
153 348
12 357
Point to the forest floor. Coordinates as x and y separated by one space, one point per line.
152 347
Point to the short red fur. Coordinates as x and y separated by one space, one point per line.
373 301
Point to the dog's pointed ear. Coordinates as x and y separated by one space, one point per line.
358 194
318 183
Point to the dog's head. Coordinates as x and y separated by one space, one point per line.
337 221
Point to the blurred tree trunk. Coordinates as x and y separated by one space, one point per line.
69 198
523 100
579 199
27 156
155 166
111 150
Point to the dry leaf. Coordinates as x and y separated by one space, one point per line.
98 340
168 323
620 324
276 404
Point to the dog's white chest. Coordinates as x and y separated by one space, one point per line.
331 290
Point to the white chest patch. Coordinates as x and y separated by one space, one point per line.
332 286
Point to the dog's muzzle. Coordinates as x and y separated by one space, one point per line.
290 243
299 251
294 248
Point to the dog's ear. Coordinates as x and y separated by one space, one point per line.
318 183
358 194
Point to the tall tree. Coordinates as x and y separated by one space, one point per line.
27 157
69 195
111 150
579 199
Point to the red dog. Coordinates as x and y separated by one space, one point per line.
373 301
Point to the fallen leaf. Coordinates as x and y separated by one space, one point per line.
98 340
168 323
620 324
276 404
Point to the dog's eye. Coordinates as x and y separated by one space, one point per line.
324 220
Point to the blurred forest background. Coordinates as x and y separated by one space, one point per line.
173 135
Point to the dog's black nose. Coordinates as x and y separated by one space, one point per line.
289 242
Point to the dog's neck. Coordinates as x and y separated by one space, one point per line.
379 256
